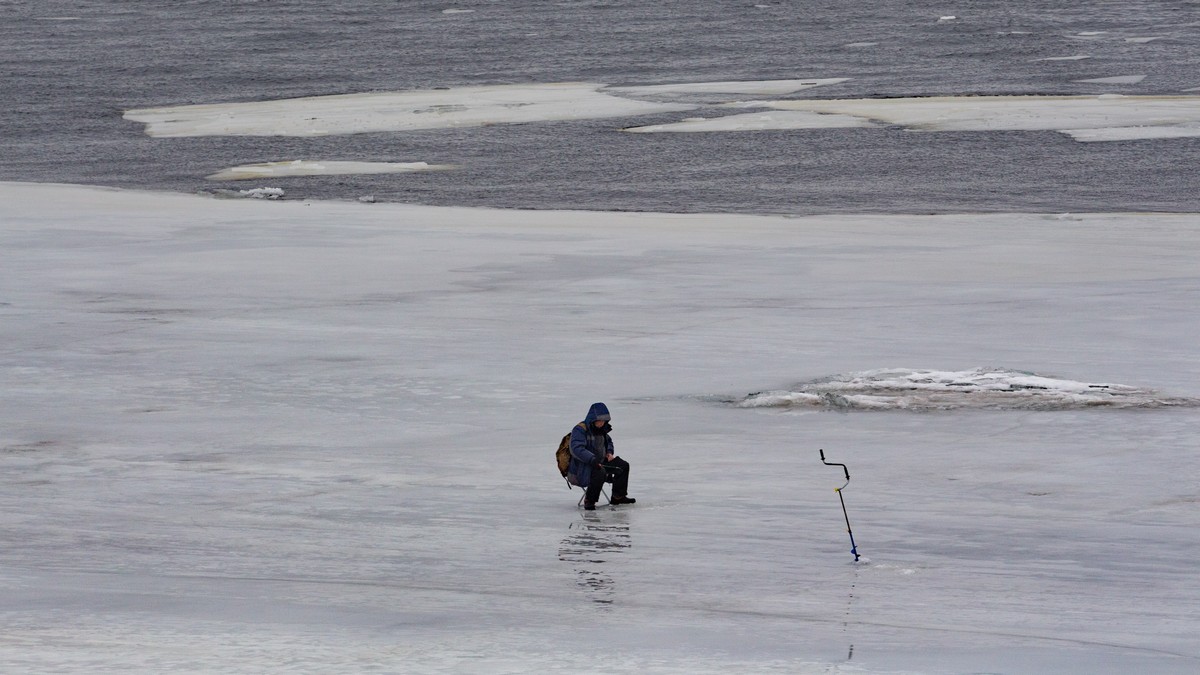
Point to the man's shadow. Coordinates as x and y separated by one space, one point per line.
590 547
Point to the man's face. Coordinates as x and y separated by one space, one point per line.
598 423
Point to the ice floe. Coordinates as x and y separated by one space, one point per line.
1134 133
1119 79
1012 113
317 168
1110 117
759 121
750 87
980 388
1106 35
396 111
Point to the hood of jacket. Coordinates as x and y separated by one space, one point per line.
598 411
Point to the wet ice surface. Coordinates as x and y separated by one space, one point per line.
308 437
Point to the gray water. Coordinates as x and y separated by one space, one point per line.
68 70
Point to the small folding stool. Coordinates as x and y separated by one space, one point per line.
603 491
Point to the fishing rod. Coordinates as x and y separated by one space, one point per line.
853 547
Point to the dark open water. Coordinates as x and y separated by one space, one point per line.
68 70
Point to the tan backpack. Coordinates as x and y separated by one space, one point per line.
563 454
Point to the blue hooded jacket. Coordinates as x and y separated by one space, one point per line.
588 446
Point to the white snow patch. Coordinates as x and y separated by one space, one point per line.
1119 79
944 19
1144 40
760 121
856 45
457 11
395 111
980 388
301 167
1078 57
751 87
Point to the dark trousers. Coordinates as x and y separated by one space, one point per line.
615 472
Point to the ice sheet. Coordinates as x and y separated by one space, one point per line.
395 111
300 167
272 437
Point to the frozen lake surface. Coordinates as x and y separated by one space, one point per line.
250 436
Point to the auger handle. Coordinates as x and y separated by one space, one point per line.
835 464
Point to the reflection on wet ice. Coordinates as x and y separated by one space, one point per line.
590 547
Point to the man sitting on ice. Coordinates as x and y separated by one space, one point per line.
593 461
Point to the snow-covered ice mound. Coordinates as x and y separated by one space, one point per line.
262 193
980 388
